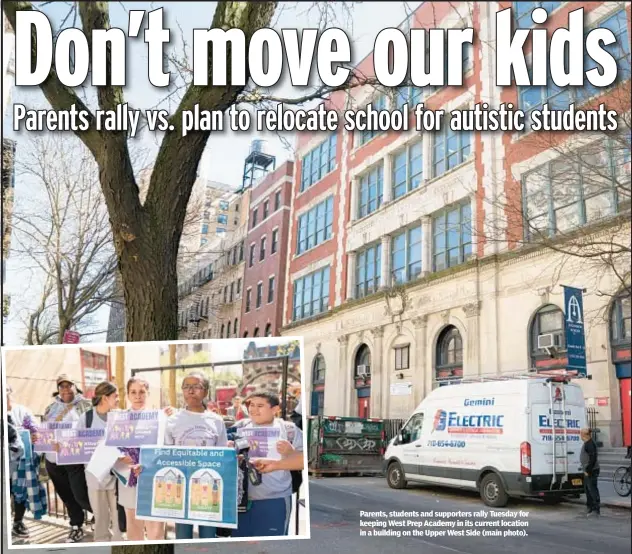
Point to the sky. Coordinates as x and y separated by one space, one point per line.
225 152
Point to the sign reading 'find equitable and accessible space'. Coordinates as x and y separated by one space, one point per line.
188 485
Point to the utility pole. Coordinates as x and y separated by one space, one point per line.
172 375
120 374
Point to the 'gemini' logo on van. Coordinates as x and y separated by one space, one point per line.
439 420
478 402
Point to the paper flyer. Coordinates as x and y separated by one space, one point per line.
46 435
262 441
135 428
76 446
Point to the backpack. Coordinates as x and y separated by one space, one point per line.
89 418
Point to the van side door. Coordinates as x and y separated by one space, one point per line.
412 446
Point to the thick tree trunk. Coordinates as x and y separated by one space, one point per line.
150 285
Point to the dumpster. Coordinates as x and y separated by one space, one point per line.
345 445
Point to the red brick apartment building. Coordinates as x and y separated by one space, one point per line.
412 258
266 247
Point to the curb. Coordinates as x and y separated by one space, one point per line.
617 504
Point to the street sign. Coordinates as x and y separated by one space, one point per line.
574 326
71 337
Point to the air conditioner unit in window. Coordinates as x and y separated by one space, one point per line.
363 370
551 343
546 341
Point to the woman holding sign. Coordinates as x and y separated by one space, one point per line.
69 480
137 391
102 493
195 426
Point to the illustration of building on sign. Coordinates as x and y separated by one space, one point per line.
168 493
206 495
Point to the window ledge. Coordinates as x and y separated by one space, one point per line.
452 171
296 256
315 183
357 148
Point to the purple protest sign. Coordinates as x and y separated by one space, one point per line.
262 441
77 445
135 428
46 435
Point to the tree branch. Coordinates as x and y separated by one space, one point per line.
58 95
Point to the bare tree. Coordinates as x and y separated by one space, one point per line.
574 202
62 234
147 234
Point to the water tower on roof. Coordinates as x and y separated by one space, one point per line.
257 164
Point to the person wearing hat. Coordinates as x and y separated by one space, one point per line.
69 480
102 494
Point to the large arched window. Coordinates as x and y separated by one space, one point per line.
318 385
268 332
362 366
449 356
547 340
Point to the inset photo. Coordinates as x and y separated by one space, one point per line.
123 443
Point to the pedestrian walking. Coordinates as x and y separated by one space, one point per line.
589 459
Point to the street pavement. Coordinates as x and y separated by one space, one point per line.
335 517
335 525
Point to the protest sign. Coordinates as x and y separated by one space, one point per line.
188 485
46 435
76 446
135 428
262 441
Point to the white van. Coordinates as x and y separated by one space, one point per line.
500 437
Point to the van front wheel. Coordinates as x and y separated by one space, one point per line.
493 492
395 476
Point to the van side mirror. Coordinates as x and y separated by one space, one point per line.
399 439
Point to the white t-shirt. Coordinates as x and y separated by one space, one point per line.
98 422
187 428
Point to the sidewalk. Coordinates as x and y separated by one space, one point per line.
50 530
609 498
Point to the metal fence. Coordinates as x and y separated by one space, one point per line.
392 427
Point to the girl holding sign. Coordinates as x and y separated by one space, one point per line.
102 493
195 426
137 391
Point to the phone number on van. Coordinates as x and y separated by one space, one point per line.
447 444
